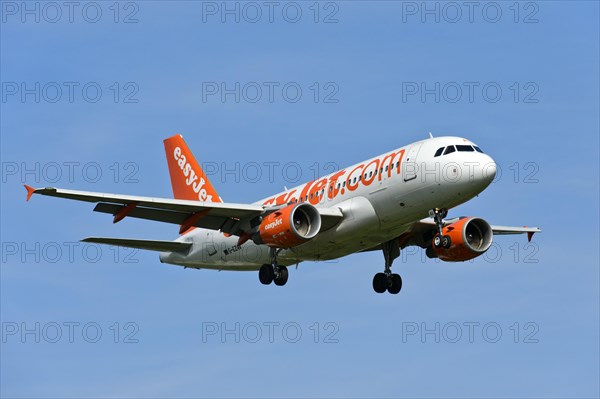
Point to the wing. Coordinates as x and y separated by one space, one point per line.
421 233
227 217
152 245
505 230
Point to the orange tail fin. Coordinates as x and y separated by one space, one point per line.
187 177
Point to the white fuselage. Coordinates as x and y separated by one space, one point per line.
380 199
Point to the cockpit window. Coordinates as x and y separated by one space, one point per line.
478 149
449 150
439 152
464 148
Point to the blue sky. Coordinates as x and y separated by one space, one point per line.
542 130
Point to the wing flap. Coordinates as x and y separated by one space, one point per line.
152 245
160 215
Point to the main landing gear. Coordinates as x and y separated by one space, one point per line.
387 280
391 282
440 240
273 272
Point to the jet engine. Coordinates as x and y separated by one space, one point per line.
288 227
463 240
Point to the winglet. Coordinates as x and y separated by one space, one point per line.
30 191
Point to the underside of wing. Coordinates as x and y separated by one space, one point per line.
152 245
503 230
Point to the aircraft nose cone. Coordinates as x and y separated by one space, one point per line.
489 170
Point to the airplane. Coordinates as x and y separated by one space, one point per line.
386 203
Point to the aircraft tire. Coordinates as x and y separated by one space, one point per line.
266 274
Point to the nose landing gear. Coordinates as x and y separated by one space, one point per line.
440 240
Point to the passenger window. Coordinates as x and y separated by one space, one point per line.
439 152
450 149
478 149
464 148
386 168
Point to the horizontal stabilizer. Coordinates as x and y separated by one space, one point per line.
151 245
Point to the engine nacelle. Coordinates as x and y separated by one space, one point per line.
290 226
469 238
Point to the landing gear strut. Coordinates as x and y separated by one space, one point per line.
387 280
440 240
273 272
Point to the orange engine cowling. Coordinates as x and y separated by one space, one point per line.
469 238
290 226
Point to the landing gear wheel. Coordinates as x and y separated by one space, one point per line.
380 283
446 242
396 284
437 241
430 252
281 276
266 274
